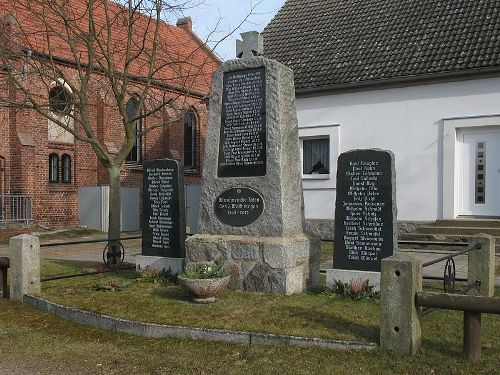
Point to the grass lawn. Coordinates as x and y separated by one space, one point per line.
313 315
33 342
326 251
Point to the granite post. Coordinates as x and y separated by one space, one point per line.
400 318
251 212
24 266
481 264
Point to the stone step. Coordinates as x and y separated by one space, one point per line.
459 231
437 241
472 223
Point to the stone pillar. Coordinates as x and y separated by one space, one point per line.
400 318
24 266
482 264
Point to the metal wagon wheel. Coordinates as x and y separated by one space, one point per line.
113 254
449 276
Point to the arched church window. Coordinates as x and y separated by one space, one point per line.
59 100
132 112
190 139
53 168
66 168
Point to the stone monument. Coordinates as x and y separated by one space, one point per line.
163 216
251 212
365 216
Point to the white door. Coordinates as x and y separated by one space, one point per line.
479 160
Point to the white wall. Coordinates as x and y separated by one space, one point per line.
409 122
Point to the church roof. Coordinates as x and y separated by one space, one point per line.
343 43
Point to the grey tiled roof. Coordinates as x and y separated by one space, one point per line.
332 43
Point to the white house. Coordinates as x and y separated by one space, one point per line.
418 77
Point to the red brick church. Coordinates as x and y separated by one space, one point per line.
50 177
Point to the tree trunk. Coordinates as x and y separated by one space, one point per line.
114 202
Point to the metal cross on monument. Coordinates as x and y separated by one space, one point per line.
252 45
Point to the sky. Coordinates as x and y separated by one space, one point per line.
225 16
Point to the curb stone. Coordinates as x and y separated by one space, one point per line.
162 330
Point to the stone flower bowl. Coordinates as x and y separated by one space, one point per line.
204 290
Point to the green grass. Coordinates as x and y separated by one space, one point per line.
307 314
326 252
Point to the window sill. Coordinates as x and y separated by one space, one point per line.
191 171
61 187
316 176
134 166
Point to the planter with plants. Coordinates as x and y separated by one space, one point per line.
204 281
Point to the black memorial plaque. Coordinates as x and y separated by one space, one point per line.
364 210
239 207
163 225
242 146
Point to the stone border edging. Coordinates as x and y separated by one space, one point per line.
161 330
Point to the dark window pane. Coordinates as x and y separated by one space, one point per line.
66 168
316 156
53 168
190 139
59 100
131 110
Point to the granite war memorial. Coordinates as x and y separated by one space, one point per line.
251 212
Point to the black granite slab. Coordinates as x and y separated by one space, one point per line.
164 220
365 210
242 146
239 207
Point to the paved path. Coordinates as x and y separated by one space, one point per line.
435 270
93 252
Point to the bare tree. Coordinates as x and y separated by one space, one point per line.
59 55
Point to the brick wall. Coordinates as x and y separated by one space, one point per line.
26 149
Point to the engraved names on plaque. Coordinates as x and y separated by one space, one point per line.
242 146
364 210
163 226
239 207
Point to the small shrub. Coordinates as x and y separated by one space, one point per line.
356 289
152 275
110 285
100 268
205 271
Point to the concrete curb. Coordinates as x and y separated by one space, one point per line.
160 330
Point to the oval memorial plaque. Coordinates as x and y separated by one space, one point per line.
239 207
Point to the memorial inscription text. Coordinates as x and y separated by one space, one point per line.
161 224
242 147
364 212
239 206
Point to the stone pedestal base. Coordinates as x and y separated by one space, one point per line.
175 265
282 265
346 276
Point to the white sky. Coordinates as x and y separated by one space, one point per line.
229 14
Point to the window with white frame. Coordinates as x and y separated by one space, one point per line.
319 147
